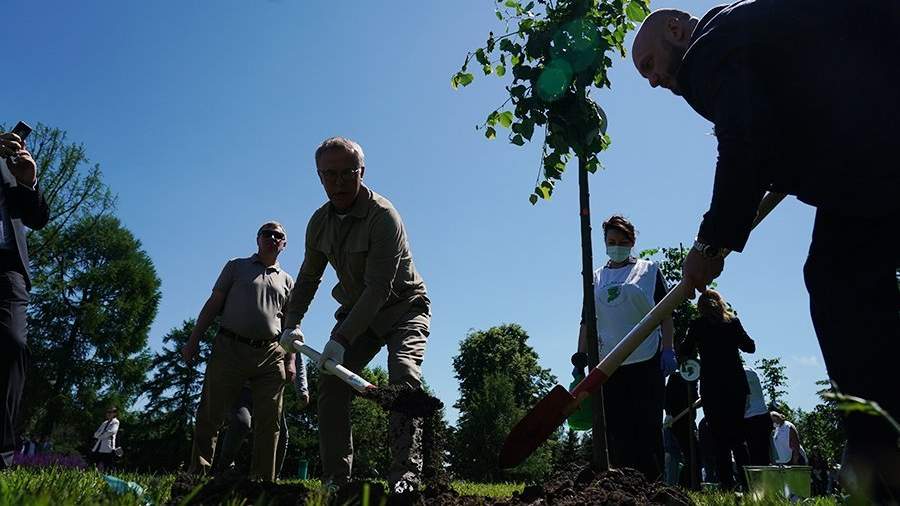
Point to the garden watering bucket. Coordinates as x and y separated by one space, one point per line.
790 482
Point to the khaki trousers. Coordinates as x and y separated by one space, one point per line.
406 349
231 364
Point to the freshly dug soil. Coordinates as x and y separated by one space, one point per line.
575 485
403 399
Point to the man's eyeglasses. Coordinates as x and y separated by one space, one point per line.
272 234
333 175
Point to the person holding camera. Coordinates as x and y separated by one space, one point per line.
21 205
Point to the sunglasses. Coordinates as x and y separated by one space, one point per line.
273 234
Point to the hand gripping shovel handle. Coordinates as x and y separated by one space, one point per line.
679 416
651 320
346 375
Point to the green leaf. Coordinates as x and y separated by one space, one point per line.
490 133
486 69
518 140
512 4
492 118
507 45
465 78
533 198
506 119
518 91
481 57
498 14
635 11
500 70
527 129
515 60
543 191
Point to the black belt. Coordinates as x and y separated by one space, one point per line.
253 343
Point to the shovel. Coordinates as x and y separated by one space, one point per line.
551 411
414 402
346 375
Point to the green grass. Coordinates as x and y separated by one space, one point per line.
54 486
726 499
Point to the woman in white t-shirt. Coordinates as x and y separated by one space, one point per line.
625 290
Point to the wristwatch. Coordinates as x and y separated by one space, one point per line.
708 250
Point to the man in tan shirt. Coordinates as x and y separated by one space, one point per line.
382 302
249 295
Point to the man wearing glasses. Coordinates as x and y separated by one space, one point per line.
382 302
249 296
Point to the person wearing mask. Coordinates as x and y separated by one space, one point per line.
719 338
625 290
786 439
757 423
103 451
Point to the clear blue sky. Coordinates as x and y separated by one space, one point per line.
204 116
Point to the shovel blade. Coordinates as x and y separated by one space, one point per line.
535 427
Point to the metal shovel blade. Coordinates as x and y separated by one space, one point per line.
533 429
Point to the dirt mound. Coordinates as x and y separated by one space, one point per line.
578 484
575 485
411 401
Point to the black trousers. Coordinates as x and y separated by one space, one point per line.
684 430
726 417
851 276
854 303
14 355
633 398
758 436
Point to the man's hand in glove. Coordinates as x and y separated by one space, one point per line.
334 350
288 336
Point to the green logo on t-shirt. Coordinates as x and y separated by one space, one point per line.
613 293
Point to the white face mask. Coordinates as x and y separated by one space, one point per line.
618 253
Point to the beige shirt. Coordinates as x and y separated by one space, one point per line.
254 297
377 280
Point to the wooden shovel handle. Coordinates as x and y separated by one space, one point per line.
651 320
346 375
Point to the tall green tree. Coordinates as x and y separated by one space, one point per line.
95 296
502 348
821 430
71 184
774 381
499 379
490 414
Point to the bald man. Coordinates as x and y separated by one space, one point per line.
805 99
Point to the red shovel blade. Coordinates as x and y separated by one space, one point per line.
533 429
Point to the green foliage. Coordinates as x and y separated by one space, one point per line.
503 348
556 52
162 436
821 430
774 381
95 295
73 188
491 412
670 261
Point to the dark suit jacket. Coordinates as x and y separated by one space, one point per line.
26 207
804 98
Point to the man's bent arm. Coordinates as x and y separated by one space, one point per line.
738 188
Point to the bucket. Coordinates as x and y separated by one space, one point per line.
790 482
302 468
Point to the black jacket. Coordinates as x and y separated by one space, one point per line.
26 207
722 376
805 99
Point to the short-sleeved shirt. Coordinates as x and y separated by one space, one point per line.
377 280
254 297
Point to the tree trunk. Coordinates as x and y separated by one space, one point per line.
600 458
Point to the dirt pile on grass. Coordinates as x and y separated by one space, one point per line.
578 484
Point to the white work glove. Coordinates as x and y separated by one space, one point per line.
288 336
334 351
